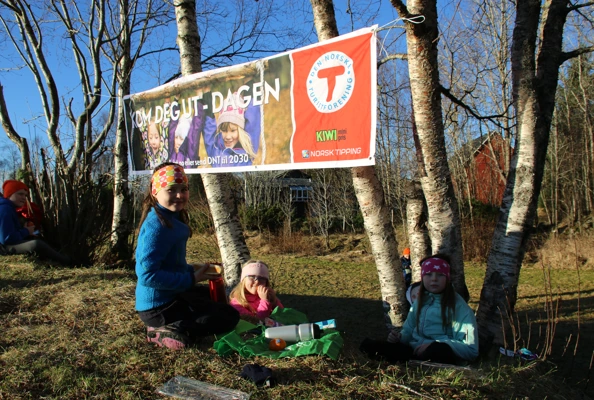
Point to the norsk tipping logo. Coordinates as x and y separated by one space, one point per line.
331 81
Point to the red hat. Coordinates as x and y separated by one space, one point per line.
435 264
406 251
10 187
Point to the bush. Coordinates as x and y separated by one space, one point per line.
260 217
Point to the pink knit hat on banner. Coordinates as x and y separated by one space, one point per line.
232 113
435 264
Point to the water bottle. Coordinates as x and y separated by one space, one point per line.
294 333
216 287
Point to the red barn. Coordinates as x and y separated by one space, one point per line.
486 166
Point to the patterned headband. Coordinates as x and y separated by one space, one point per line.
167 176
435 264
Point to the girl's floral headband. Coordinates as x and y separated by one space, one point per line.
169 175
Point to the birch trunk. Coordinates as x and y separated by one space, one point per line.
442 208
535 75
370 196
121 227
234 250
416 220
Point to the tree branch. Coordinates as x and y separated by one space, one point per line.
447 93
578 6
400 8
574 53
392 57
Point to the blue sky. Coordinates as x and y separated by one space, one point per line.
21 92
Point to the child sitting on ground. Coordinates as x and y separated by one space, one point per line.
440 327
253 297
175 310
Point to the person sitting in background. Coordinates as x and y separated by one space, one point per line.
18 237
406 266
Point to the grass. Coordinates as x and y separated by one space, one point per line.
73 334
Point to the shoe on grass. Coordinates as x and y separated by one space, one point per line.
163 336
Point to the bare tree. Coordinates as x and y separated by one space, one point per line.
443 218
371 200
72 200
229 231
536 57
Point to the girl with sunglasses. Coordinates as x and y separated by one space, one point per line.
253 297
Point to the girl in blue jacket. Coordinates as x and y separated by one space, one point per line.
174 310
440 326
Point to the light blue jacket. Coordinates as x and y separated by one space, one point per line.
461 335
161 265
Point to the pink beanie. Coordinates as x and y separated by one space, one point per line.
257 268
232 113
435 264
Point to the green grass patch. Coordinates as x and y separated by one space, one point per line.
74 334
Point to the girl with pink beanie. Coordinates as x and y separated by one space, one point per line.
440 326
253 297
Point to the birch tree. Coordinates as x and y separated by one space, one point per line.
536 56
234 250
370 196
443 217
136 21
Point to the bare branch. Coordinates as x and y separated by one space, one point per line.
447 93
392 57
575 53
578 6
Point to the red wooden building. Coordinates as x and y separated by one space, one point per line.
486 165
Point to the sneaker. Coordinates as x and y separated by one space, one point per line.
163 336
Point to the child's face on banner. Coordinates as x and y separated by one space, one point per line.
230 136
178 142
153 137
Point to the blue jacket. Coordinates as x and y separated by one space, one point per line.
461 335
11 229
161 265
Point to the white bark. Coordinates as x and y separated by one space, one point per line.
416 220
442 208
370 196
234 251
535 75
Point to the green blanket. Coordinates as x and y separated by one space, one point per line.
329 344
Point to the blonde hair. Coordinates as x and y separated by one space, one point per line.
238 292
243 137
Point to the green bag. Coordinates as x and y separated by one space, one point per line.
329 344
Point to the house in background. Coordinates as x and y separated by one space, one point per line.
485 164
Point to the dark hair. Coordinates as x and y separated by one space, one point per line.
150 202
448 296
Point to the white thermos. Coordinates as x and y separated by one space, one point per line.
294 333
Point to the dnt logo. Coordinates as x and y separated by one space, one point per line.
331 81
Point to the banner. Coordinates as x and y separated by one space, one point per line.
313 107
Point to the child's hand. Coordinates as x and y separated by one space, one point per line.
394 336
266 293
200 272
421 349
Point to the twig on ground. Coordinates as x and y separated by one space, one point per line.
408 389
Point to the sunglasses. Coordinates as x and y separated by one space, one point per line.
257 278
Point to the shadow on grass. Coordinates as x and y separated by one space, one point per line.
573 362
355 318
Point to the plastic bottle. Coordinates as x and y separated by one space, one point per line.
217 289
186 388
294 333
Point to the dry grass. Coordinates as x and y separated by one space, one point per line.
73 334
